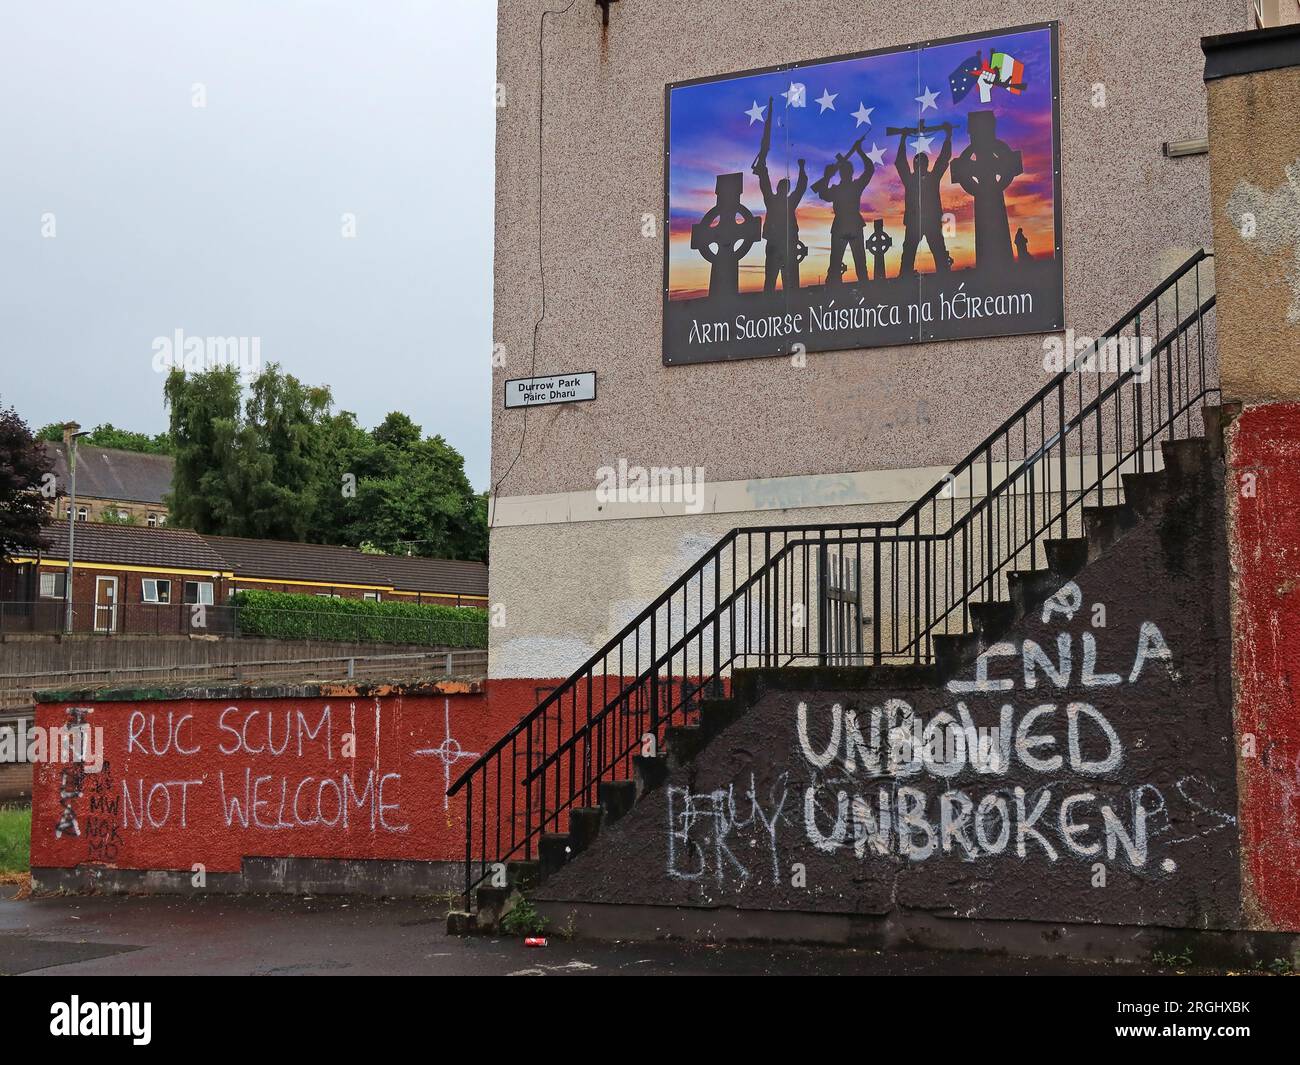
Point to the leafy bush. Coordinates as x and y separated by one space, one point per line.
15 839
523 920
290 616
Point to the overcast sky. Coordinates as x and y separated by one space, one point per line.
227 219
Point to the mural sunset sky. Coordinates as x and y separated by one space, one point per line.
711 133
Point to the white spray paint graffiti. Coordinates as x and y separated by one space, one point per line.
872 772
704 833
893 743
449 752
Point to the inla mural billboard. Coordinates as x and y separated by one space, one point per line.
887 197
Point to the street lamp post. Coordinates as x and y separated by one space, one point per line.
72 524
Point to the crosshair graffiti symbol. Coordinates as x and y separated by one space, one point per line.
449 752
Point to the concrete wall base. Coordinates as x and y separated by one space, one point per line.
267 876
914 930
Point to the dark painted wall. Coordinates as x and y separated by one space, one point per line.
1116 803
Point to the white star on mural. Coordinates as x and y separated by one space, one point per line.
827 100
794 95
876 155
755 113
927 98
922 144
863 114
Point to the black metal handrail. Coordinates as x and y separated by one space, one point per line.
774 595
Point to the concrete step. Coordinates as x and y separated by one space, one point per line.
1066 556
1216 420
1146 493
952 651
990 620
717 714
1187 459
1105 525
492 903
553 850
616 798
461 923
843 678
648 773
1031 586
682 743
584 827
523 873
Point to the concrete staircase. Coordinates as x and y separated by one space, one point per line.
1146 496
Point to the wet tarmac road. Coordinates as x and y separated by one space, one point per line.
277 935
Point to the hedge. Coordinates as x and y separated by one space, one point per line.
309 617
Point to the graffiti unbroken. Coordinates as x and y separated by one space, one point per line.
1019 758
1081 770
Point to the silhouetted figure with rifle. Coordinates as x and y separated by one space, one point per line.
781 226
922 210
847 224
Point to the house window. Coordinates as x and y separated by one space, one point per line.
156 591
199 592
162 519
53 585
152 520
372 596
83 514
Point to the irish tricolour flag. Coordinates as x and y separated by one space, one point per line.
1009 70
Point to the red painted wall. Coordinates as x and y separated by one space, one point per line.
1264 494
212 781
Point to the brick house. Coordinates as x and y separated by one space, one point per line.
138 579
125 579
112 485
330 570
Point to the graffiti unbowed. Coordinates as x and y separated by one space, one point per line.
1081 768
1025 764
1060 791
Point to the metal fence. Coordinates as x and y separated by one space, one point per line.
424 665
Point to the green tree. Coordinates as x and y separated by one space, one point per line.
208 480
111 517
285 466
109 435
24 485
411 494
282 443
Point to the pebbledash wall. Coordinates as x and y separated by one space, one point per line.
852 435
317 788
1253 80
1208 733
